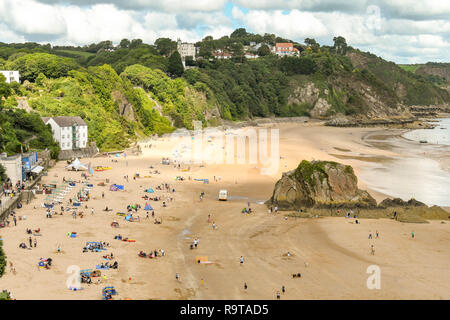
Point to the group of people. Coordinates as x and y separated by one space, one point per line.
95 246
152 254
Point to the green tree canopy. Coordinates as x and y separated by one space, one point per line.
175 66
31 65
340 45
264 50
165 46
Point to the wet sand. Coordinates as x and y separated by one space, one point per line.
332 254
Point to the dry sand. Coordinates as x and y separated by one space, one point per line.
332 254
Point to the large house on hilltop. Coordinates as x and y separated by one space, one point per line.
11 75
70 132
285 49
186 49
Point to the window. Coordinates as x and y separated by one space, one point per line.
63 144
63 136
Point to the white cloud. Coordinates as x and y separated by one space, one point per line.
31 17
293 25
406 30
159 5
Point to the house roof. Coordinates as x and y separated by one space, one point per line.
66 121
284 45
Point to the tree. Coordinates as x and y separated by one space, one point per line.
189 61
52 66
312 44
41 79
135 43
264 50
340 45
5 90
165 46
239 33
175 66
3 176
237 49
124 43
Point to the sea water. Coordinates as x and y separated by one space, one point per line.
416 177
438 135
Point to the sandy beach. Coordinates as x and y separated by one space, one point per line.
332 254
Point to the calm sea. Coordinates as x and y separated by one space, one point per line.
438 135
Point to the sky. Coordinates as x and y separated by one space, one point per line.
403 31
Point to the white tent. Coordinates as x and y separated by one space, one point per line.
76 165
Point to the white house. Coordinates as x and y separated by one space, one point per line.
11 75
70 132
285 49
13 167
186 49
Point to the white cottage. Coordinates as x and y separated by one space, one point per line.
11 75
70 132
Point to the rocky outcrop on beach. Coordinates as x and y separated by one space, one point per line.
397 202
320 184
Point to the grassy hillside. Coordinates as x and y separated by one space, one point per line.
437 73
129 90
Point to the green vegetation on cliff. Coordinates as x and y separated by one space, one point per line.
19 129
98 82
2 259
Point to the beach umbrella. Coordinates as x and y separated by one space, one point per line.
148 207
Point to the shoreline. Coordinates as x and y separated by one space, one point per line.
331 253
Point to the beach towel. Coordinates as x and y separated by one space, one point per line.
120 187
113 188
99 267
76 204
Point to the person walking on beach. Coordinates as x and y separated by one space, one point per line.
241 259
209 218
103 195
177 277
412 235
31 242
15 221
377 235
372 250
278 295
245 286
35 242
370 235
92 211
214 226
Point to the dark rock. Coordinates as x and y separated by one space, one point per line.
397 202
321 184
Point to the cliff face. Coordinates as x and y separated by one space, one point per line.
320 184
